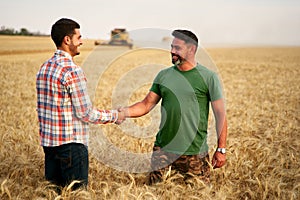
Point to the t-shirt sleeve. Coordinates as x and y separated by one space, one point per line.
156 85
215 89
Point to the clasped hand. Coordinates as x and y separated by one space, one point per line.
121 116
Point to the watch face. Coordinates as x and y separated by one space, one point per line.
221 150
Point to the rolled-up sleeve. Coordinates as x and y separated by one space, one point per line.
81 103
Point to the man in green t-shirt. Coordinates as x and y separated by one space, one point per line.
186 89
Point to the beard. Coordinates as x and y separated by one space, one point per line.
74 49
177 59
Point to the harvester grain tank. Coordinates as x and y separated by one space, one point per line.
118 37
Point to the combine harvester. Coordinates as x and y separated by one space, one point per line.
118 37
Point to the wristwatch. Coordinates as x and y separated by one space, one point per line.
221 150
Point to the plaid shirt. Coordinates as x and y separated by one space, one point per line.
63 105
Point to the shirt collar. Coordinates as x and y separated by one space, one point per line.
63 53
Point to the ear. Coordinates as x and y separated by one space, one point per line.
67 40
192 49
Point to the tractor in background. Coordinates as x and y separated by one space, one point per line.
118 37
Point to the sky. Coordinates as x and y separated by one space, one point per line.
251 22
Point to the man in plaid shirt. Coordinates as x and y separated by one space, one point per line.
65 110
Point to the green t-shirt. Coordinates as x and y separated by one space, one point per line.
185 108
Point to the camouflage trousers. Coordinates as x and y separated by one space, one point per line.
187 165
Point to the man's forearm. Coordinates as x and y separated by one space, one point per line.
136 110
222 132
221 122
143 107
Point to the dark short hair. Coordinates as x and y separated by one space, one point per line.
61 28
186 35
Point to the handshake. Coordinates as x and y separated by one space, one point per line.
122 114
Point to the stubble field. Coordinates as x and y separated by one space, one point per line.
263 112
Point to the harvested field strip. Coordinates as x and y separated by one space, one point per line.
263 108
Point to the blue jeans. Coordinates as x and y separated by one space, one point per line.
66 163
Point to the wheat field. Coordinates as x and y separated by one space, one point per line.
263 112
